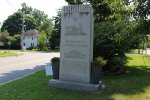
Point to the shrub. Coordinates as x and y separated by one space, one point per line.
115 64
99 61
116 61
30 48
55 59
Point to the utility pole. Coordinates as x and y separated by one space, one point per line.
22 31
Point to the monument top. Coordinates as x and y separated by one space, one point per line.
77 8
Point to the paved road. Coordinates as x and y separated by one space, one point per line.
14 67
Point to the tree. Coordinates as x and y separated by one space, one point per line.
40 17
141 14
15 42
142 10
55 36
33 18
26 9
42 43
115 38
14 22
43 23
5 37
47 27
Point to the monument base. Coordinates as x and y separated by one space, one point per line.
75 86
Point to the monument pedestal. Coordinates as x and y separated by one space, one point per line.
75 86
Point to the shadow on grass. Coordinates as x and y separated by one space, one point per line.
135 81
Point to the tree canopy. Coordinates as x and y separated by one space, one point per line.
142 10
14 22
4 37
42 22
33 18
54 39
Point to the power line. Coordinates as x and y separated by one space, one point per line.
11 5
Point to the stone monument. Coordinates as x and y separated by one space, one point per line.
76 48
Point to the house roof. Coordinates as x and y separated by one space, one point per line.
32 32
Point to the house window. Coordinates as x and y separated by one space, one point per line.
32 44
24 44
32 38
23 38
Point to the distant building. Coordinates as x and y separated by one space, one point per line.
29 38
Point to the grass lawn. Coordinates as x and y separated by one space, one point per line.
134 50
135 85
7 54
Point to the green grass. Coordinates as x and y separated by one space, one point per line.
7 54
134 50
134 85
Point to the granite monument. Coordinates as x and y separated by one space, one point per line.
76 48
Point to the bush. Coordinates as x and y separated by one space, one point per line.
55 59
96 69
99 61
30 48
34 49
115 64
116 61
42 45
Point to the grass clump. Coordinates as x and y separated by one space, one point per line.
7 54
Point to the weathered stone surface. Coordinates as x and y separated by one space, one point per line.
76 50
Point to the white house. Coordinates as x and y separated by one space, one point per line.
29 38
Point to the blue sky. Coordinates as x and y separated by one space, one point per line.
8 7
